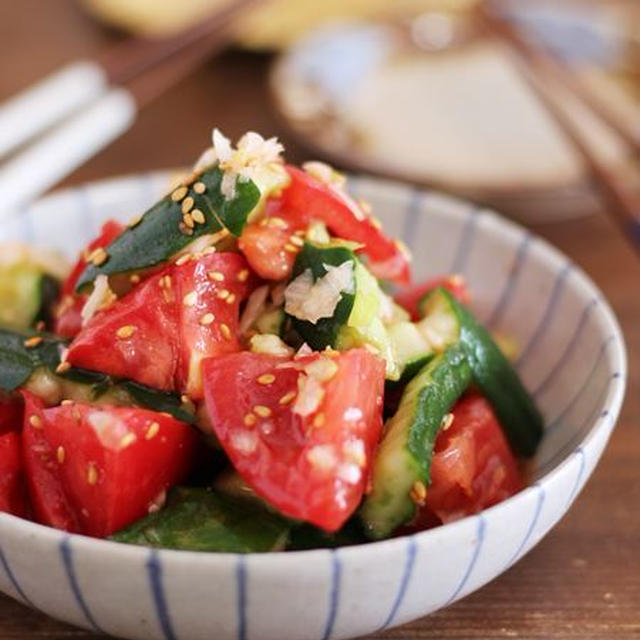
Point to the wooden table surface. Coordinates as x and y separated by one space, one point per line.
583 580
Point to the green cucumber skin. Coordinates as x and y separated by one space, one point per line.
20 364
500 384
157 236
404 455
200 520
324 333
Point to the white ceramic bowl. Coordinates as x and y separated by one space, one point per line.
572 358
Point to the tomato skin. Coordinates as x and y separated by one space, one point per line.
167 334
68 319
473 467
267 244
11 409
12 487
115 462
309 469
410 297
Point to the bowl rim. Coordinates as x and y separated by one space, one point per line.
613 400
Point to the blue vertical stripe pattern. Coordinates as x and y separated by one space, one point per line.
532 525
241 596
571 345
466 242
510 285
404 581
576 486
556 421
13 580
472 563
67 561
154 572
334 594
541 329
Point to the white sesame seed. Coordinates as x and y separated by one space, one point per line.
200 187
262 411
33 342
198 216
179 193
447 421
231 298
266 378
207 319
152 431
218 276
225 331
190 299
126 331
187 204
250 419
92 474
60 454
35 421
243 275
223 294
188 221
287 398
127 440
182 259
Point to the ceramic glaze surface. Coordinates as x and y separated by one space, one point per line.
571 357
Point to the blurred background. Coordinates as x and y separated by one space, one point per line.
414 89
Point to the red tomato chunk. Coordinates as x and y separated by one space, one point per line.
95 470
301 432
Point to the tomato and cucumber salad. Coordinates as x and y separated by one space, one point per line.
228 373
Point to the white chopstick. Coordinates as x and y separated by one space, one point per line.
64 149
57 96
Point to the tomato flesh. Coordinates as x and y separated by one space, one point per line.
473 467
95 470
268 246
410 297
12 487
67 316
158 333
313 467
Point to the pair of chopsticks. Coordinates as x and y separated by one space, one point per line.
82 108
539 65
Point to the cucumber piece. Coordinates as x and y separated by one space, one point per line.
404 455
26 293
499 382
271 321
357 318
161 233
306 537
30 360
411 349
201 520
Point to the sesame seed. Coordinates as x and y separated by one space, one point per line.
199 187
262 411
126 331
62 367
279 223
447 421
127 439
152 431
318 421
35 421
198 216
187 204
418 492
297 241
243 275
290 248
134 278
223 294
231 298
98 256
287 398
225 331
207 318
33 342
187 402
188 221
266 378
179 194
191 177
250 419
92 474
218 276
183 259
60 453
190 299
184 230
66 403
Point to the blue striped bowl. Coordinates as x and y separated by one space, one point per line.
572 358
